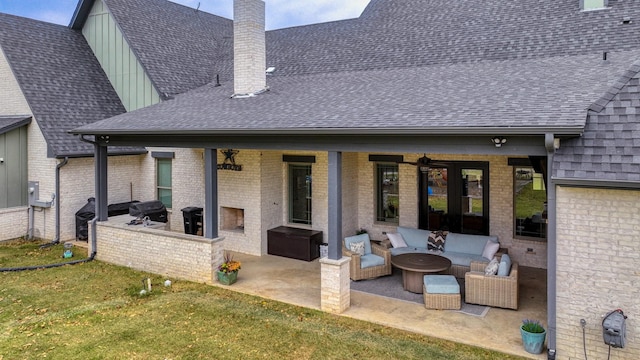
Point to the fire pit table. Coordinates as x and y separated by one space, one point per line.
415 265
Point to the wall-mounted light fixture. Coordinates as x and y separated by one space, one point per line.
498 141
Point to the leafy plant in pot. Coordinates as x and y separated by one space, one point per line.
228 270
533 336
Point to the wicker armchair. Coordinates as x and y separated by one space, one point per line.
358 273
491 290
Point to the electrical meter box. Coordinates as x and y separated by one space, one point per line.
614 329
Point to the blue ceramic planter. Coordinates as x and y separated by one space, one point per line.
533 342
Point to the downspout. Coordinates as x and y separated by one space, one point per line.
56 239
58 167
551 146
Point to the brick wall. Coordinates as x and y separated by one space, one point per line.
12 102
272 206
598 252
170 254
77 185
13 222
350 201
187 183
242 190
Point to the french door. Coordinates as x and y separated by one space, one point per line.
454 196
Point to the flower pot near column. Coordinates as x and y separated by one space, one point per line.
228 271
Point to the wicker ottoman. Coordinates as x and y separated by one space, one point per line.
441 292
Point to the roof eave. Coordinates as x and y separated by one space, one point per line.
469 131
80 14
596 183
17 124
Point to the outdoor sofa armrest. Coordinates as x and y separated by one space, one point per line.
478 266
381 251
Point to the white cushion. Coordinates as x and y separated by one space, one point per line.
396 240
490 249
492 267
357 247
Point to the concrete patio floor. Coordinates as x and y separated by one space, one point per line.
298 282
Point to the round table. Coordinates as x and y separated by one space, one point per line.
415 265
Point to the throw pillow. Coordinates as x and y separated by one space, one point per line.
357 247
490 249
492 267
436 240
396 240
505 265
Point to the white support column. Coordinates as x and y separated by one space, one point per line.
335 289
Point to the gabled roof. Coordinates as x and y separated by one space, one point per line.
8 123
434 66
179 47
61 80
531 96
609 149
182 49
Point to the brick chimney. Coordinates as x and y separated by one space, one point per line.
249 53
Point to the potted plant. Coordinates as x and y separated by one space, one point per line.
533 335
228 270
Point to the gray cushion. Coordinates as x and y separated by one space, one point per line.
505 265
370 260
462 259
441 284
415 237
465 243
408 250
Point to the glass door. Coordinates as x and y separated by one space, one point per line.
471 201
438 198
454 197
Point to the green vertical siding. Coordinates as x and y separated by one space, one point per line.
13 168
118 60
593 4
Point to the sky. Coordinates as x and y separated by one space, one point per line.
279 13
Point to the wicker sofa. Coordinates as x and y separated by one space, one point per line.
491 290
461 249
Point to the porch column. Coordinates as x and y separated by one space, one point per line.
210 216
335 291
101 184
551 249
335 205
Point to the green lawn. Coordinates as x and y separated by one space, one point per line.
94 311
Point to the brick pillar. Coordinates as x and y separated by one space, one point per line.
335 289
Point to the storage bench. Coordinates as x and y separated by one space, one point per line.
295 243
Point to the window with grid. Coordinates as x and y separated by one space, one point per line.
163 182
300 203
387 199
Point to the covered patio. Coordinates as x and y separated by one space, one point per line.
298 282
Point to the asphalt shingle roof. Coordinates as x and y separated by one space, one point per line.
179 47
547 93
609 149
61 80
407 64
